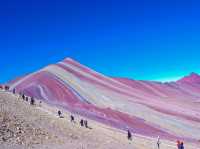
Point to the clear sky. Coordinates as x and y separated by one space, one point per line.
140 39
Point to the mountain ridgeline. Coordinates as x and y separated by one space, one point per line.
170 110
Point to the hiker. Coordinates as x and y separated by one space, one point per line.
178 143
59 113
32 101
86 124
14 91
7 87
23 96
40 103
26 98
182 145
82 123
129 135
72 118
158 142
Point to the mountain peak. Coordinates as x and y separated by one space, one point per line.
69 59
192 78
193 74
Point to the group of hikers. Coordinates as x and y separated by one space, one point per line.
83 123
26 98
23 96
180 145
4 87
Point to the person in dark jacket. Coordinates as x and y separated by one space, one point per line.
14 91
26 98
59 113
182 145
86 123
129 135
72 118
82 123
23 96
32 102
7 87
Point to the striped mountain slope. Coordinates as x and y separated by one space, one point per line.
170 110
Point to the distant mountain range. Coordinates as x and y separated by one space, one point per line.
170 110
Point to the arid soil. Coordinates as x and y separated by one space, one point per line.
25 126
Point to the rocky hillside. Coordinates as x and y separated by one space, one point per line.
25 126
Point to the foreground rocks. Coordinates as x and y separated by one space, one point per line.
15 129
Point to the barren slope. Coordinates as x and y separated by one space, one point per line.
41 128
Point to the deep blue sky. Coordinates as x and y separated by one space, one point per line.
141 39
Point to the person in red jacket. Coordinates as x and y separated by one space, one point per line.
178 143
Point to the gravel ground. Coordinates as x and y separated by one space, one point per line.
23 126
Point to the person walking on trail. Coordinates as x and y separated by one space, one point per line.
182 145
82 123
59 113
23 96
7 87
178 143
129 135
32 101
14 91
72 118
158 142
40 103
86 123
26 98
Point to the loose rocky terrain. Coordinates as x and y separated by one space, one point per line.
23 126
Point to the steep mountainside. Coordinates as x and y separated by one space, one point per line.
171 110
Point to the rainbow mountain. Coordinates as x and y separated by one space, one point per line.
170 110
